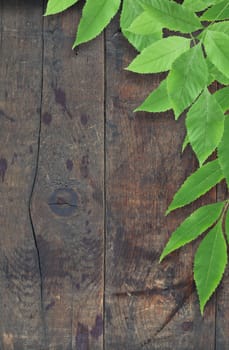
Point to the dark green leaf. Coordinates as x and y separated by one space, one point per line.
192 227
197 184
209 264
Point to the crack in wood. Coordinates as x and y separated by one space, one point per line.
152 291
174 312
32 193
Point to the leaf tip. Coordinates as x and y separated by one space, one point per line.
138 109
202 306
161 257
168 211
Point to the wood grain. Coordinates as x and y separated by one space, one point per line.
148 306
21 325
55 201
67 205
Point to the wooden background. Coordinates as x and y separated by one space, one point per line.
84 184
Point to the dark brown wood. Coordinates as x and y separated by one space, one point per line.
68 208
21 325
148 306
55 149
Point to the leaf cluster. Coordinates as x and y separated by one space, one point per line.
190 42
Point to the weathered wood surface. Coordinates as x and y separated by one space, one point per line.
21 324
84 186
148 306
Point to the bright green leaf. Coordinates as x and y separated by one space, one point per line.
159 56
222 97
197 184
198 5
56 6
215 74
205 124
130 11
209 264
172 15
217 49
185 143
192 227
187 78
157 101
220 27
223 151
95 17
144 25
227 225
217 12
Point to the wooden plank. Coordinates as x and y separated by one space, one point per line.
222 307
148 306
68 205
21 325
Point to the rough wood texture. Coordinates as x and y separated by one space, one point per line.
67 208
71 151
148 306
21 325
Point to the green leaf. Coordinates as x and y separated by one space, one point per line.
215 74
95 17
217 49
205 124
159 56
227 225
220 27
209 264
187 78
197 184
56 6
198 5
217 12
222 97
130 11
144 25
172 15
192 227
185 143
157 101
223 151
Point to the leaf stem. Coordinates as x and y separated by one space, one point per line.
193 39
